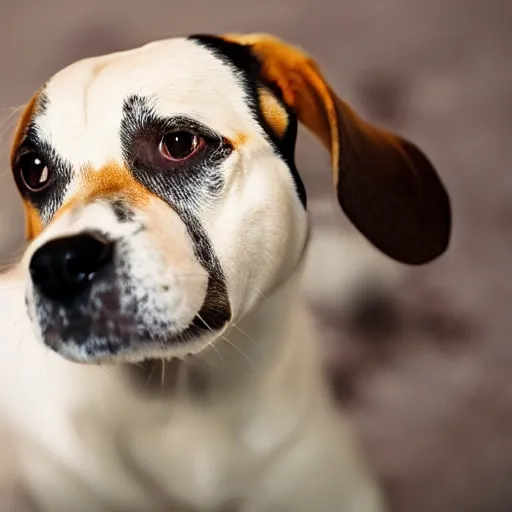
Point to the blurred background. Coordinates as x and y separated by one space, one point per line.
421 358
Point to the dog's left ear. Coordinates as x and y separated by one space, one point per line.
384 183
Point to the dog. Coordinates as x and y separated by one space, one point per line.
167 227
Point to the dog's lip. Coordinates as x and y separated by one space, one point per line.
133 355
116 350
103 332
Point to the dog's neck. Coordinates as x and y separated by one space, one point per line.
265 370
261 343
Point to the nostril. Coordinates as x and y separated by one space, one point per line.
74 269
86 256
64 267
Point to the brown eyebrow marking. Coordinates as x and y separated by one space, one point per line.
21 128
111 181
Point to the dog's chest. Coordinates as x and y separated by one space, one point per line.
194 457
191 460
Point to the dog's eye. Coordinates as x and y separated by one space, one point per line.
180 145
34 171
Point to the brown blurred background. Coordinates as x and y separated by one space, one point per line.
421 358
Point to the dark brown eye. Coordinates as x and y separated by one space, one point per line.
34 171
180 145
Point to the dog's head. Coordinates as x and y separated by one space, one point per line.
163 200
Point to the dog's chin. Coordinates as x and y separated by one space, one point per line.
106 326
102 350
91 335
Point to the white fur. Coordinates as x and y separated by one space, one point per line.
274 440
269 439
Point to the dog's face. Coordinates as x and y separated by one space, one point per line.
163 200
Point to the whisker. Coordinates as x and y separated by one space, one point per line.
151 373
212 342
7 122
212 345
15 107
244 333
110 374
238 349
10 116
204 322
163 373
261 294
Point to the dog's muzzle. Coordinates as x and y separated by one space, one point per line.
95 297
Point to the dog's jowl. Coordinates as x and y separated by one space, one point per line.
167 226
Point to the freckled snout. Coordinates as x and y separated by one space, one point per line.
64 268
107 287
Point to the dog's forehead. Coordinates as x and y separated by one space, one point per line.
84 102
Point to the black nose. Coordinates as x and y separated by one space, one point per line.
63 268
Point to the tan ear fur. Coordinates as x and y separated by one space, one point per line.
384 183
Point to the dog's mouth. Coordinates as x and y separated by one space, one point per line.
105 325
115 316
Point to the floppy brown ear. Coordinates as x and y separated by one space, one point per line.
384 183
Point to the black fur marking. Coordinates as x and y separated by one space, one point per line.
186 188
48 201
122 211
242 59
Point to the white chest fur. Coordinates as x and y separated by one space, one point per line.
273 442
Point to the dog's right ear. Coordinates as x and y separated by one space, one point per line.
384 183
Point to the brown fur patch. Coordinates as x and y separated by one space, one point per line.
274 113
302 85
33 223
23 122
112 180
239 140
